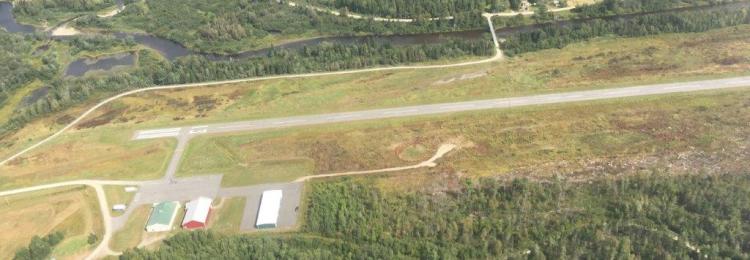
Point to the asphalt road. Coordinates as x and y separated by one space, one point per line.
185 133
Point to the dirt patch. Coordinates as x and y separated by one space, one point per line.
463 77
413 152
103 119
330 156
375 77
204 103
65 30
731 60
657 124
177 103
617 69
64 119
237 94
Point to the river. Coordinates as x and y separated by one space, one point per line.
172 50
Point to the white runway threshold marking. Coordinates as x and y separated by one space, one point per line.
199 129
158 133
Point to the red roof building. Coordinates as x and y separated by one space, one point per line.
197 211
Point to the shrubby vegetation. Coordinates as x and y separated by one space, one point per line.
650 217
153 70
97 43
15 64
40 247
555 36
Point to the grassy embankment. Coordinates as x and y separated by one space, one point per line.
105 151
73 211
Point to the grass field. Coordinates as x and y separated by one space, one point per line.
676 133
99 154
73 211
104 150
130 235
605 62
117 195
227 217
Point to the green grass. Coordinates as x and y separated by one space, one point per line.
227 219
106 151
540 140
271 171
111 154
130 235
117 195
72 246
242 169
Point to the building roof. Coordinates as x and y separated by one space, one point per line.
162 213
197 210
270 203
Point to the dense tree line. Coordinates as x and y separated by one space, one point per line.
614 7
414 8
234 26
650 217
153 70
39 7
39 247
207 245
555 36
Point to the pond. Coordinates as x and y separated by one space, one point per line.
82 66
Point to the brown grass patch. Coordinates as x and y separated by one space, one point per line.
73 211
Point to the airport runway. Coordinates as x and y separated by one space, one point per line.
184 133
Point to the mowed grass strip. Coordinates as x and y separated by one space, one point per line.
131 234
228 216
90 154
538 140
71 210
